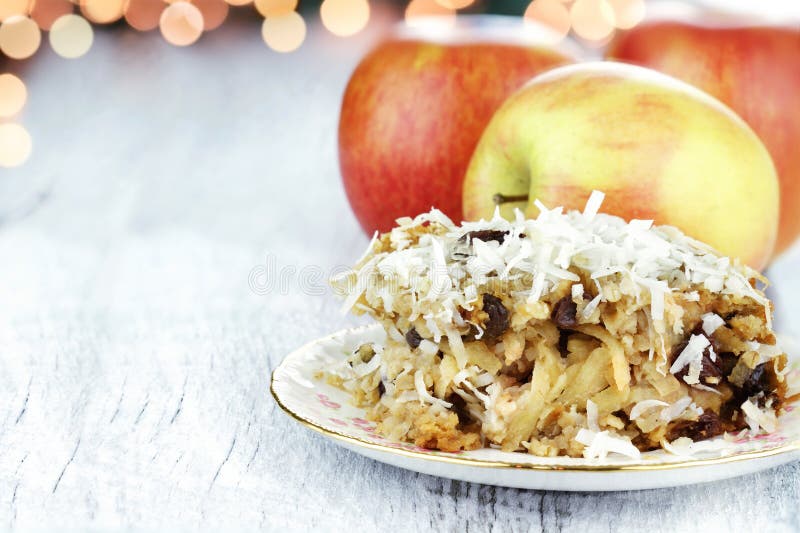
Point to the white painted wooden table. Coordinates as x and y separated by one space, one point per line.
135 358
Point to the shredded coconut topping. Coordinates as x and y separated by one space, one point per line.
691 355
600 444
422 391
645 405
441 268
711 323
591 416
686 447
765 351
759 419
668 414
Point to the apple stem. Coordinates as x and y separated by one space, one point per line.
503 199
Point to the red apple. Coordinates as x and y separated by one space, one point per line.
416 106
750 64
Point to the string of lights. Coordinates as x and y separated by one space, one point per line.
69 29
182 22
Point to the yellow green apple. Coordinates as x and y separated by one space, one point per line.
659 148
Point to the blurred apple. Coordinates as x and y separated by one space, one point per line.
747 62
415 107
659 148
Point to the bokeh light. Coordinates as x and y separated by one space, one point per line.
214 12
284 33
19 37
144 15
455 4
344 17
15 145
71 36
275 8
45 12
103 11
552 14
418 11
627 13
181 23
12 95
592 19
239 2
10 8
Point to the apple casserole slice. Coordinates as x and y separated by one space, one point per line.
573 334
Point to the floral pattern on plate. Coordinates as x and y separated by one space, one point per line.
300 390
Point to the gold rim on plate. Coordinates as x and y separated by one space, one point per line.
789 447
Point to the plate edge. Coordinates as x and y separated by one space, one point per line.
788 448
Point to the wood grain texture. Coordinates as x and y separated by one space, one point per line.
135 357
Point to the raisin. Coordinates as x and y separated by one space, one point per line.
460 409
642 441
710 369
676 351
726 361
564 313
486 235
563 341
413 338
498 316
729 411
757 382
622 415
708 425
760 383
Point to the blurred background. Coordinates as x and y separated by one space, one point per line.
142 118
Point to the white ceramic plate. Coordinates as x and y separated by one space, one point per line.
327 410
